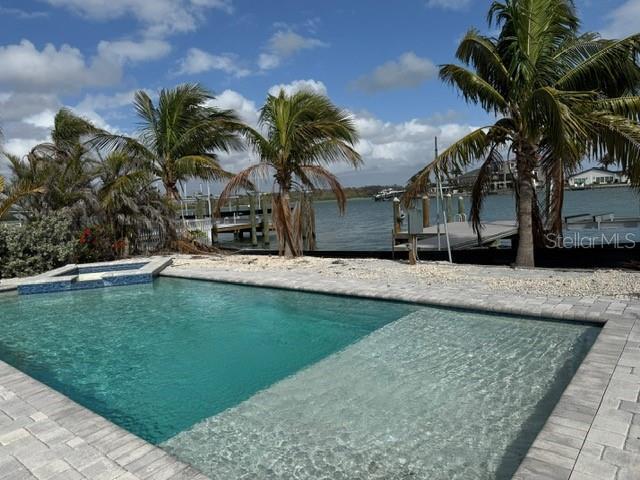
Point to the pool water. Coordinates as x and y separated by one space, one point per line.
257 383
157 358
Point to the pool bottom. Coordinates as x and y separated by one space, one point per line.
426 397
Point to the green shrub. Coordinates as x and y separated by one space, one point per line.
43 244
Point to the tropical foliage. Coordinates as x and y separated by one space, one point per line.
559 97
300 136
110 200
179 137
44 243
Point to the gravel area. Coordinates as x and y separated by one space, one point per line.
581 283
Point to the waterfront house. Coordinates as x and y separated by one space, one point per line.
596 176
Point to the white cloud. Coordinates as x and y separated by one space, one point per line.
392 151
198 61
21 146
231 100
314 86
101 101
22 14
284 44
122 51
64 69
623 21
159 17
267 61
25 68
43 119
449 4
16 106
409 70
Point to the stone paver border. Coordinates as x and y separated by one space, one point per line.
45 435
593 432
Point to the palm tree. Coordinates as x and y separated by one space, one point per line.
129 201
303 134
179 137
558 96
63 167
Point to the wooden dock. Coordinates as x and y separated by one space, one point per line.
461 235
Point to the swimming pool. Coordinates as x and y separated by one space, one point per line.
272 384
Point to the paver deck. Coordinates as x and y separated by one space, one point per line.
593 432
46 436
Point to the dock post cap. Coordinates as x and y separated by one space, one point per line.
396 199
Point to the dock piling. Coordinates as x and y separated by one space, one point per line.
266 237
214 231
252 219
425 211
397 221
449 207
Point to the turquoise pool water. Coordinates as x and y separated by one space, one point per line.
257 383
155 359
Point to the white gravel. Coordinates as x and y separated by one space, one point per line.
580 283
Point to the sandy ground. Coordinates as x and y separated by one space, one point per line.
581 283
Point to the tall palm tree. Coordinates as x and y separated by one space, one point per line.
303 134
180 136
558 96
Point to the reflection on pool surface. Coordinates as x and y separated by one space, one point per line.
155 359
217 373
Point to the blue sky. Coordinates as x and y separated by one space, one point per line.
376 58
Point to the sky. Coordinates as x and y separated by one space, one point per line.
376 58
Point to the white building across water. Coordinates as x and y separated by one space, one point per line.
596 176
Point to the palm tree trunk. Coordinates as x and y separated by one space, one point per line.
524 165
284 223
171 190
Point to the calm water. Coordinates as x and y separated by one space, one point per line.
436 395
260 383
367 224
156 359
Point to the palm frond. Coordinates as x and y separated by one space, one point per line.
455 158
199 166
244 180
605 65
315 177
17 192
481 188
474 88
480 52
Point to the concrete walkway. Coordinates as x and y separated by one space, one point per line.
594 431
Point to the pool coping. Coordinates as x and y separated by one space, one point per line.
593 433
66 278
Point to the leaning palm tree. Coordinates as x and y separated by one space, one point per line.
303 134
179 137
558 96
